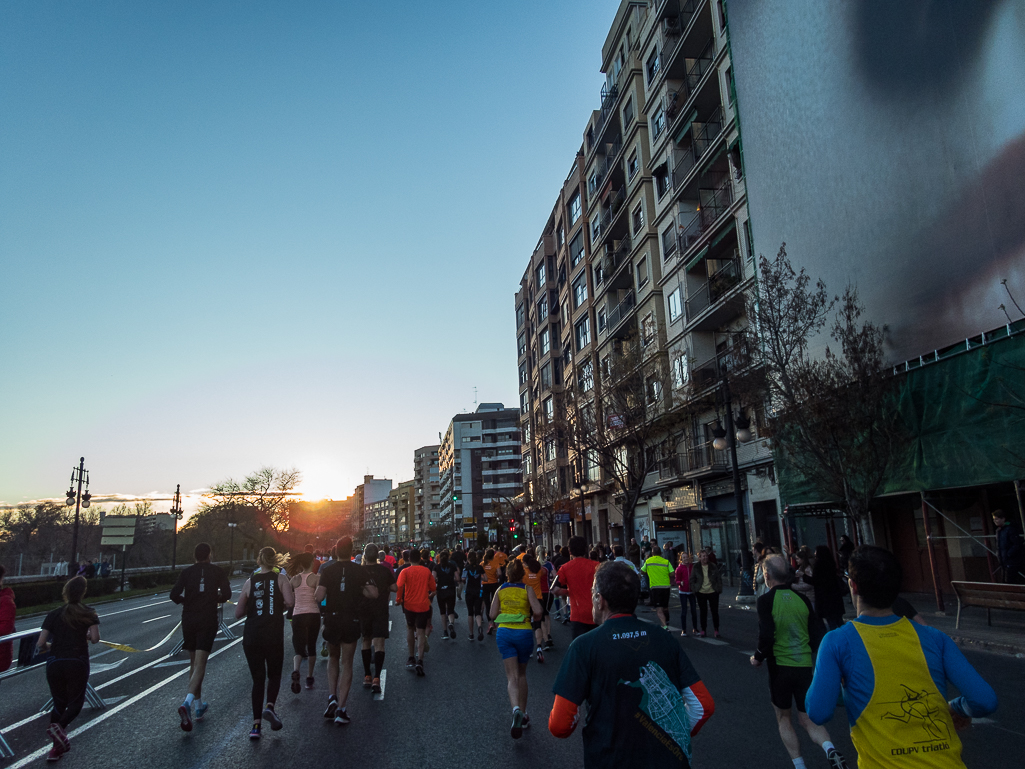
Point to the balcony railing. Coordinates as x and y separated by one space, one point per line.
615 253
615 206
696 68
609 94
703 135
711 372
719 283
705 457
620 311
602 172
713 205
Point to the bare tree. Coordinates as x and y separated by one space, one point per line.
268 491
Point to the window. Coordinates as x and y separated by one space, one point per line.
661 180
599 275
546 376
628 113
601 320
653 66
520 315
523 373
574 209
642 272
580 291
545 342
560 235
675 304
583 333
576 249
731 92
521 345
549 408
592 184
541 275
750 240
654 389
542 309
658 124
593 468
550 449
527 464
565 313
524 401
648 330
585 377
631 166
681 370
595 228
638 219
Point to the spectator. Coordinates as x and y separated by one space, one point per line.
829 589
844 552
1009 548
687 598
617 551
633 552
706 583
645 702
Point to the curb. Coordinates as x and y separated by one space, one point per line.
995 647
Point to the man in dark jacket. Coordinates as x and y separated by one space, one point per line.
1009 548
633 552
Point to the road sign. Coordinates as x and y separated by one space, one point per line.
560 518
118 530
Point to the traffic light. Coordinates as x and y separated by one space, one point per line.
455 497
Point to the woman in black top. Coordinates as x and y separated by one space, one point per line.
446 574
264 599
67 632
829 603
473 576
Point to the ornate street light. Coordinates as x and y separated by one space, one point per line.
177 514
79 499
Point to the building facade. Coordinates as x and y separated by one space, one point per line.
369 516
426 491
401 500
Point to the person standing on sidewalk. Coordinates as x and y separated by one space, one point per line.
1010 549
659 572
263 601
788 637
575 580
687 599
66 633
894 675
305 616
706 583
200 589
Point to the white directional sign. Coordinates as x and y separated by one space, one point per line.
118 530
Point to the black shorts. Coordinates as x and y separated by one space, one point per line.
417 619
447 603
660 597
474 605
788 684
374 624
579 628
341 629
198 634
305 629
548 600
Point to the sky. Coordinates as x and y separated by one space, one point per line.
236 235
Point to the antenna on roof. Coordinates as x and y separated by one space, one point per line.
474 397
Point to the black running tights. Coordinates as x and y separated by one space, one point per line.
265 663
67 679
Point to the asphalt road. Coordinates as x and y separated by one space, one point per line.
457 715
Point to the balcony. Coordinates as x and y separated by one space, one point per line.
718 285
616 254
612 152
703 135
714 203
609 95
708 374
620 312
612 211
703 458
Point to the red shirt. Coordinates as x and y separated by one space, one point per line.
578 577
416 583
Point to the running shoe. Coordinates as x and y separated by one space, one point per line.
54 754
526 720
375 687
342 718
491 628
410 663
835 759
480 633
201 708
549 644
717 634
60 740
367 682
272 718
254 734
309 682
444 635
332 706
540 655
295 682
185 714
420 668
452 631
471 636
701 634
516 731
565 621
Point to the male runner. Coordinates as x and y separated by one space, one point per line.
575 580
446 575
416 588
658 570
473 576
199 589
343 586
894 675
374 617
788 636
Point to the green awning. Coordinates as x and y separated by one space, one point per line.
696 259
686 125
724 233
735 142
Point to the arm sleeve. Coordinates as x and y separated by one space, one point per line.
820 701
178 591
700 705
766 627
564 717
977 697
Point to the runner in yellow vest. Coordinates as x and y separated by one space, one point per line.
658 570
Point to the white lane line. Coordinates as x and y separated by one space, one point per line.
171 664
146 621
136 608
384 677
389 626
115 710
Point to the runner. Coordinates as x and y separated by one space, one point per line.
200 588
514 607
473 575
575 580
344 585
374 617
264 598
389 559
658 570
536 578
416 588
66 633
491 567
645 701
305 616
501 559
893 673
446 574
788 637
459 559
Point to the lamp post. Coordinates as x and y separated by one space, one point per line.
79 500
729 437
231 550
176 515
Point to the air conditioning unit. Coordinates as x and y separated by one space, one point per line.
671 25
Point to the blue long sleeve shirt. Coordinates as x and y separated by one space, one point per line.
843 660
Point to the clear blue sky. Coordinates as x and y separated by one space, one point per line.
238 234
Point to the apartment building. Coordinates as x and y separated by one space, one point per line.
479 464
369 494
426 491
401 501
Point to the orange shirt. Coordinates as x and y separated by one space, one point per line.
578 577
416 583
533 581
490 572
500 559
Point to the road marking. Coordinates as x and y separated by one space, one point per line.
115 710
146 621
389 626
384 677
171 663
136 608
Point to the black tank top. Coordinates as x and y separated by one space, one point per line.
265 611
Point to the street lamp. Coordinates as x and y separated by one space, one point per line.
231 550
78 499
176 514
740 431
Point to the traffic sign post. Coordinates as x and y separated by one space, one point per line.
119 530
